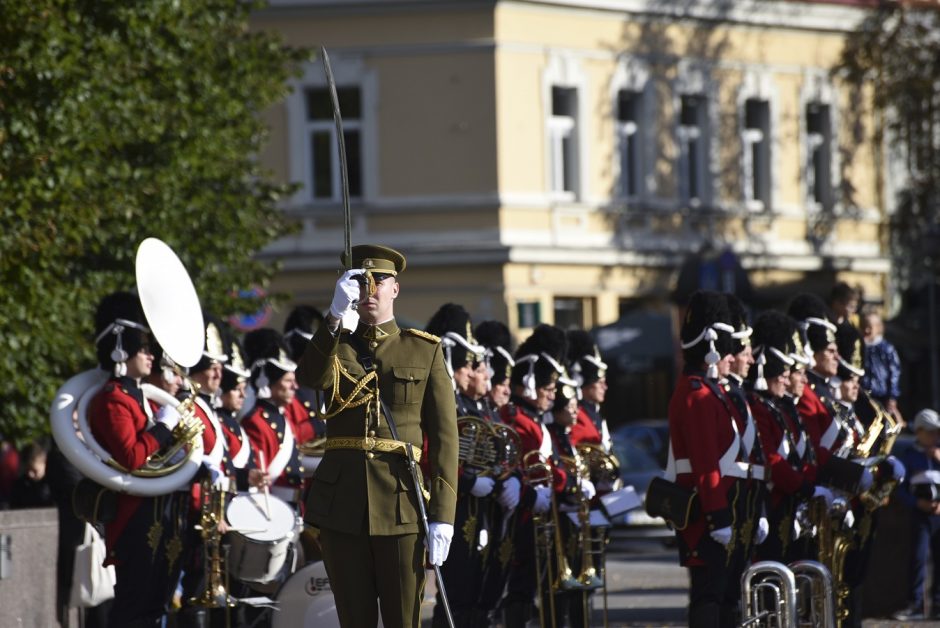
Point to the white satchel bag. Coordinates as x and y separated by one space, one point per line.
92 582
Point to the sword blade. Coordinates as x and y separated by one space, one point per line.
341 146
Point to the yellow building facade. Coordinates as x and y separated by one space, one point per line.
557 161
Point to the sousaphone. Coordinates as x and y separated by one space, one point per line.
173 313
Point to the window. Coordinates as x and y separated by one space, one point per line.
693 149
574 312
325 175
529 313
563 140
629 112
819 155
756 140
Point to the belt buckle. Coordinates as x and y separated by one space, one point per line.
368 443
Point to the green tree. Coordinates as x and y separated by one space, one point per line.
895 52
122 120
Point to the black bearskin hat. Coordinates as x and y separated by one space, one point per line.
302 321
849 342
584 358
120 328
452 323
742 332
812 316
213 348
772 340
234 371
705 309
266 358
540 358
495 336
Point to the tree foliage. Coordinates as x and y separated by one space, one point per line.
122 120
897 50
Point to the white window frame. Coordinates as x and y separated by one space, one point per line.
348 72
632 75
563 70
817 89
696 155
694 79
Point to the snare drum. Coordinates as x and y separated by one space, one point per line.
259 545
306 600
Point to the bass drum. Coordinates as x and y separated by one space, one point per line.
306 600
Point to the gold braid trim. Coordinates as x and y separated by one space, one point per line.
337 403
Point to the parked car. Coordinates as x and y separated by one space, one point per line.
642 448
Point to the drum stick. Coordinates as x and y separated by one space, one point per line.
264 470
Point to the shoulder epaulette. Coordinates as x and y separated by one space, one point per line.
695 384
423 334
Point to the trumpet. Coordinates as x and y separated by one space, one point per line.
587 577
214 593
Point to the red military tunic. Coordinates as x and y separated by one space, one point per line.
119 424
780 438
701 433
521 416
584 430
817 420
265 426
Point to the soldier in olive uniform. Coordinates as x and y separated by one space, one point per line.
363 497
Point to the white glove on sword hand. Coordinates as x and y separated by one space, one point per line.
346 293
438 542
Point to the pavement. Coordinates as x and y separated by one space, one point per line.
647 587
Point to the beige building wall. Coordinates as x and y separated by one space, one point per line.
459 173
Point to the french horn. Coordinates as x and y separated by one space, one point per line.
489 449
171 307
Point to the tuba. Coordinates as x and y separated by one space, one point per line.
174 315
768 590
489 449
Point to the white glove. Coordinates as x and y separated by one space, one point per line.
346 293
849 519
169 416
587 488
797 529
543 499
763 529
440 535
508 496
897 469
482 487
722 535
866 481
825 493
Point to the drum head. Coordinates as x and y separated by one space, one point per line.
306 600
170 302
248 514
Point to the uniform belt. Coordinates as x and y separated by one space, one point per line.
373 444
744 470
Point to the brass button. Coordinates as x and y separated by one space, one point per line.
300 469
373 344
273 425
370 455
371 433
265 414
288 469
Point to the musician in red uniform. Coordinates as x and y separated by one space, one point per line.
463 569
144 539
272 435
299 327
706 455
590 372
534 377
789 456
494 336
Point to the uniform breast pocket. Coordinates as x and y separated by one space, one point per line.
407 384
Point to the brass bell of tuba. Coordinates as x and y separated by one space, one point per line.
488 449
171 307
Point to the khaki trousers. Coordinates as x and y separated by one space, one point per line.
363 569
